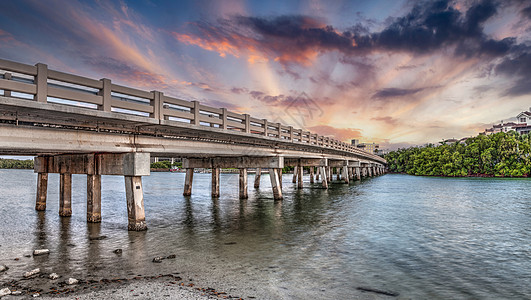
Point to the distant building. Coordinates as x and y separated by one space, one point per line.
367 147
522 124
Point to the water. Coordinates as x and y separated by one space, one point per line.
425 238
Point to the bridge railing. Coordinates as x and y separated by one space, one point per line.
38 83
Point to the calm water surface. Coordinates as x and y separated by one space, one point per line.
425 238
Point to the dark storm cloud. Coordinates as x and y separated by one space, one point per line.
518 66
427 28
394 92
434 25
526 12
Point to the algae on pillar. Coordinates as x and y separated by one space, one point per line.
135 203
65 194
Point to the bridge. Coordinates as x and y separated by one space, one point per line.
78 125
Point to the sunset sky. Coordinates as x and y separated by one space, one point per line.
394 72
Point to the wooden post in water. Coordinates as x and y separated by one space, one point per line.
188 179
135 203
243 184
93 198
65 195
275 183
42 190
215 182
311 174
325 179
257 178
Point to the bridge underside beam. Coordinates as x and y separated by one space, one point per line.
305 162
127 164
337 163
234 162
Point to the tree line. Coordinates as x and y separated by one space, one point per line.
501 154
15 164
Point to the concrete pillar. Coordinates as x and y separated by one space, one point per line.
215 182
295 174
325 179
369 171
243 184
279 171
275 183
257 178
188 179
328 174
299 175
351 173
345 174
42 190
311 174
65 195
135 203
318 173
358 173
338 172
93 198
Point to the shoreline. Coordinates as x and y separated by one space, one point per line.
157 286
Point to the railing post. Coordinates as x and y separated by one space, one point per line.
195 111
247 123
224 118
157 105
279 130
266 132
7 76
41 81
291 133
105 93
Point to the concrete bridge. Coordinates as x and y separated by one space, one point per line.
79 125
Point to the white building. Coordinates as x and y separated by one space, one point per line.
522 124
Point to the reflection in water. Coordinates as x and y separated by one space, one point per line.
445 238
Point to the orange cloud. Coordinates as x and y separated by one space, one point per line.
343 134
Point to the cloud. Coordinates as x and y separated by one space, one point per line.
519 67
526 12
394 93
388 120
343 134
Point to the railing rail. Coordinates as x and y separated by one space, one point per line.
40 84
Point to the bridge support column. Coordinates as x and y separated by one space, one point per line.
93 198
329 174
42 190
358 173
345 174
276 183
325 179
65 195
318 174
243 184
257 178
280 178
311 174
299 175
338 174
295 174
188 179
215 182
135 203
369 171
